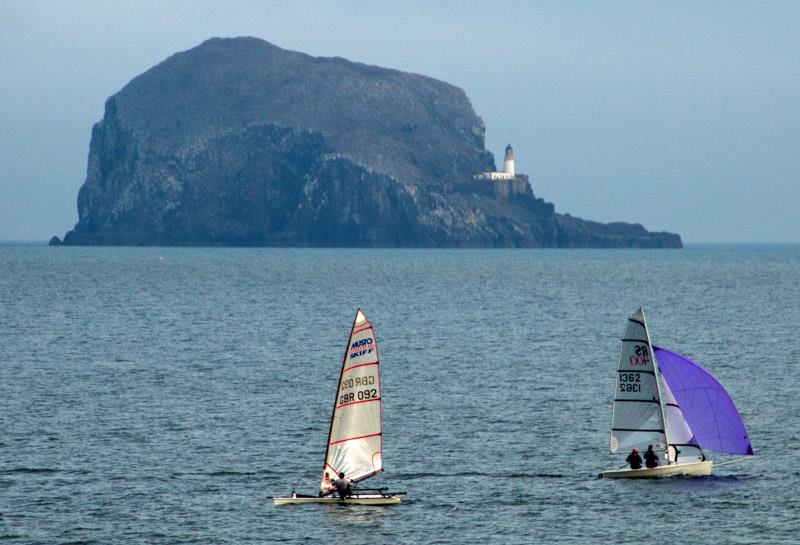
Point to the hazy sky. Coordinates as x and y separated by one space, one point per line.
681 116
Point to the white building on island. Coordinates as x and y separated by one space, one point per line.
506 184
508 172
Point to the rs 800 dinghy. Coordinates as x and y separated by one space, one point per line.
355 437
666 400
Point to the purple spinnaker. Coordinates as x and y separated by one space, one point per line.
706 406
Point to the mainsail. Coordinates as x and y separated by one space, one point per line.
355 441
638 415
706 406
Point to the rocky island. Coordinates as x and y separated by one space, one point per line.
237 142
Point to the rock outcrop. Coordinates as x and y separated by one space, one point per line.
238 142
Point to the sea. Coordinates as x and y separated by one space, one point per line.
165 395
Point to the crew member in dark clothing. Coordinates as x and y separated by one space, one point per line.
634 459
650 457
343 486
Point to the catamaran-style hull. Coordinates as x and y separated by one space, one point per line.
356 499
694 469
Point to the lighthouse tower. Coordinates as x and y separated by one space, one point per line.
508 172
509 161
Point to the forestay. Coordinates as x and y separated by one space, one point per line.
354 441
706 406
638 417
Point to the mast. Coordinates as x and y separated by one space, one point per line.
658 386
335 400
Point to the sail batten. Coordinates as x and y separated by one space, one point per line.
355 438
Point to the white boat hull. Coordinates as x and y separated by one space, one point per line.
692 469
355 499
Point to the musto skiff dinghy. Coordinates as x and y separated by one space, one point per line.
355 435
666 400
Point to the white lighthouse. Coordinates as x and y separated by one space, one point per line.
508 172
507 184
508 164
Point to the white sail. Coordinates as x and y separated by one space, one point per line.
638 418
680 438
354 440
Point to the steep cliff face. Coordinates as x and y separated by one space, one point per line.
238 142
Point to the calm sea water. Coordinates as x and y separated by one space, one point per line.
164 395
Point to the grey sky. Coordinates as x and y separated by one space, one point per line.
681 116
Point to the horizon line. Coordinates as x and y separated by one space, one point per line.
42 242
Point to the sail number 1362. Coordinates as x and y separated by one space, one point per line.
630 382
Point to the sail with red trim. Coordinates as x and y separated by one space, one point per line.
355 440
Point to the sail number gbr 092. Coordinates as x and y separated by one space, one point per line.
363 393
